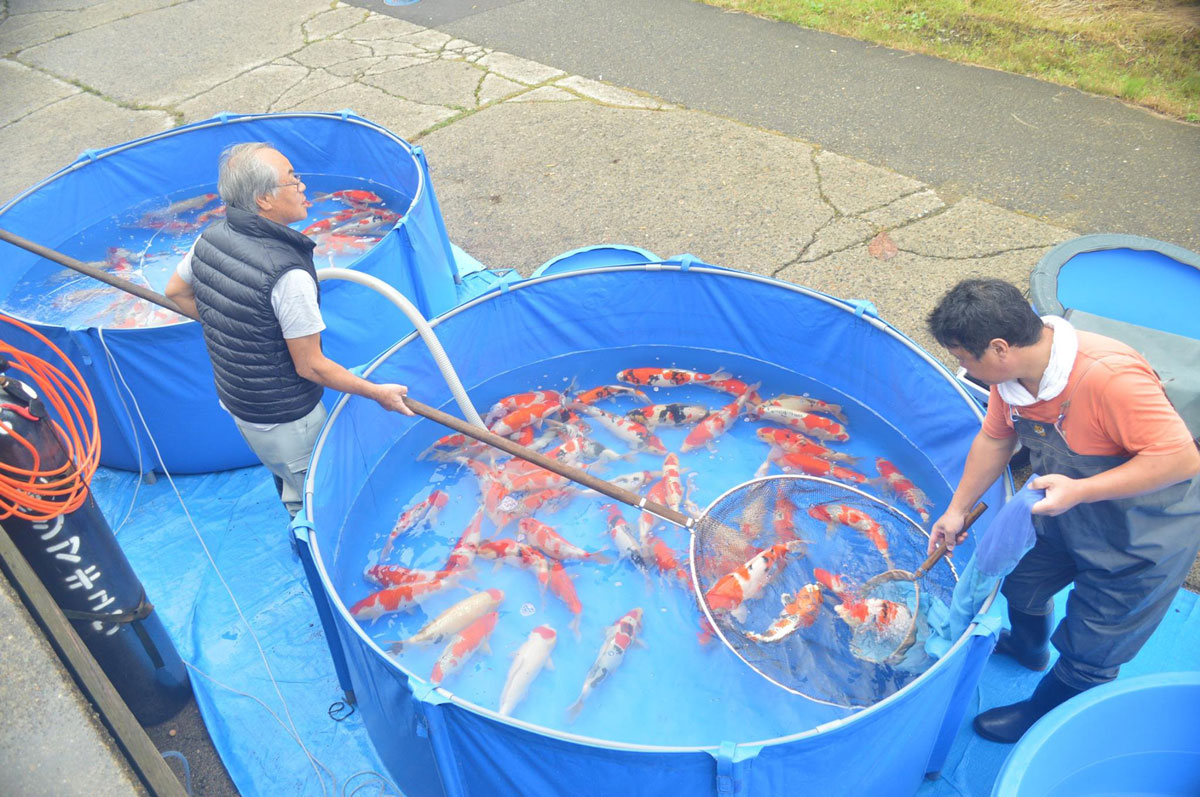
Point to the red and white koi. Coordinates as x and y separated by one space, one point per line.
462 555
731 591
799 611
807 404
530 658
817 426
423 513
876 614
524 417
737 388
838 585
667 377
517 554
618 638
715 425
335 244
672 484
518 401
657 415
628 546
851 517
351 196
396 575
813 466
398 599
606 392
793 442
553 544
329 222
903 487
452 620
469 640
632 432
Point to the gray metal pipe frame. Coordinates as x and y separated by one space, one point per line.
423 329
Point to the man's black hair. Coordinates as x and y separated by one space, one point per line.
976 311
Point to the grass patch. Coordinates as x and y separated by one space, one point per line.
1143 51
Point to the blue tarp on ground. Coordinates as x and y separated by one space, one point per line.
244 527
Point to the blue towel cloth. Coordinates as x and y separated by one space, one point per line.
999 549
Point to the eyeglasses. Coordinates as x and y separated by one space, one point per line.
295 182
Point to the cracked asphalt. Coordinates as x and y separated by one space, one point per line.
528 159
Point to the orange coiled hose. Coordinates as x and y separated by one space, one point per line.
35 494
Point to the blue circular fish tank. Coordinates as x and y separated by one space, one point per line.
678 716
134 209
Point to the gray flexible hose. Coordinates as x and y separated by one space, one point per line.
423 329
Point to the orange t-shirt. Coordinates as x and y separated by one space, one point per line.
1117 405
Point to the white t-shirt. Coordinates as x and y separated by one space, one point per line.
294 300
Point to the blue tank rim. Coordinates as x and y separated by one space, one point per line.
426 691
1043 280
87 157
1034 742
636 251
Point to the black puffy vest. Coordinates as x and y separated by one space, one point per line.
235 265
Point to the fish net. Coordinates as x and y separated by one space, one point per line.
809 582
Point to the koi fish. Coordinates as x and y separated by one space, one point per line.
425 512
216 213
470 639
715 425
327 224
636 481
334 244
817 426
530 658
736 388
524 417
618 637
783 519
790 463
632 432
452 620
732 590
367 223
647 520
519 401
352 196
799 611
563 587
793 442
806 404
838 585
551 543
175 208
668 414
853 518
628 546
580 447
672 485
667 377
398 599
451 447
517 554
882 615
396 575
608 391
901 486
664 558
462 555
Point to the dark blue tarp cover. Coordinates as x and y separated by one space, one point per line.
166 369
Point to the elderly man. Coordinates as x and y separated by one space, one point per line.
250 279
1121 514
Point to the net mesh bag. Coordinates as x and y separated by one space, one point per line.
809 582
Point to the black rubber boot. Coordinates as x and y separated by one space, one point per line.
1007 724
1029 640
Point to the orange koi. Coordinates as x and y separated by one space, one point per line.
732 590
608 391
564 588
737 388
530 415
398 599
518 401
783 519
790 463
517 554
553 544
799 611
715 425
793 442
838 585
352 196
665 559
901 486
817 426
424 513
850 517
667 377
470 639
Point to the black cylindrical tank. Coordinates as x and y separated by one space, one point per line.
83 567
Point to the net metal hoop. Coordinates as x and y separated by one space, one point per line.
699 591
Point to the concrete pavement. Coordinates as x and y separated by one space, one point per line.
529 159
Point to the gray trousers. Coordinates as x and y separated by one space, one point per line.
285 449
